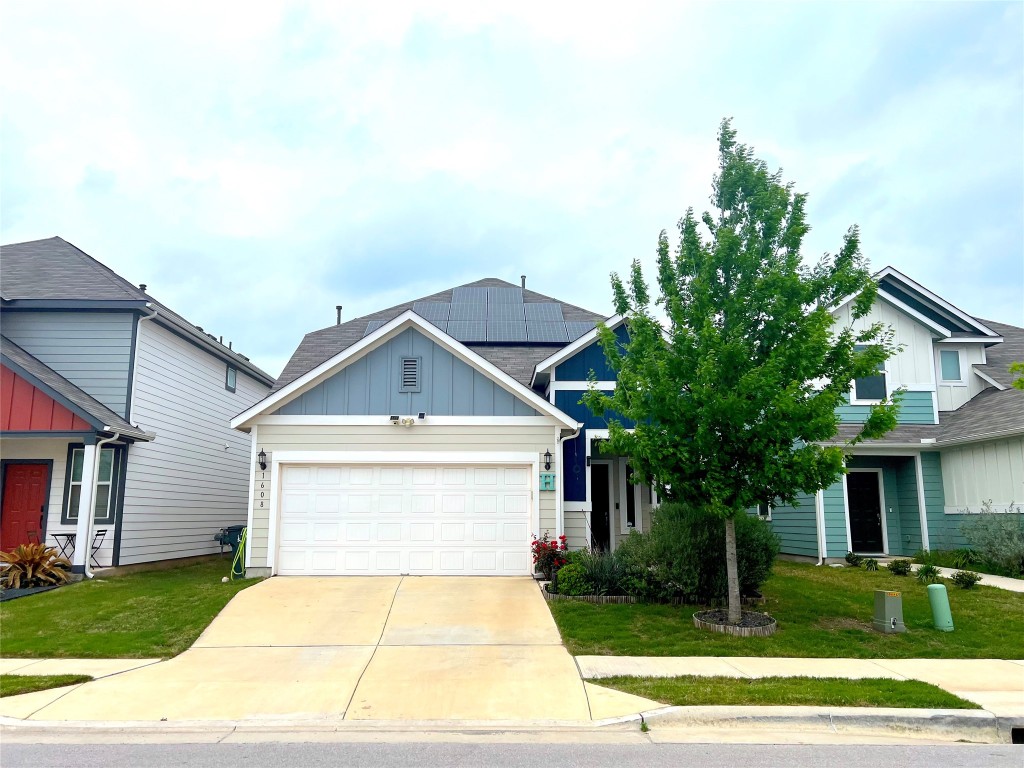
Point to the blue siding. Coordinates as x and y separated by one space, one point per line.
890 466
574 452
92 350
943 530
590 358
370 386
835 520
910 510
796 527
915 408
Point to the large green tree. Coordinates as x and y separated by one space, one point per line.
734 397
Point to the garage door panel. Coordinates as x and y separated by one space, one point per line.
416 520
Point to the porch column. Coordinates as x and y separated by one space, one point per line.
921 502
86 503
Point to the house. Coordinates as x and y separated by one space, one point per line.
112 402
958 445
437 436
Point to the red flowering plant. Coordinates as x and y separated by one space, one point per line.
548 554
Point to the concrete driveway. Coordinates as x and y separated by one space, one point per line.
360 648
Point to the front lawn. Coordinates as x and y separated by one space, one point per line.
12 685
140 615
822 612
696 691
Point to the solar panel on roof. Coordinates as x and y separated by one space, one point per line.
469 296
506 330
546 332
372 326
506 312
432 310
465 312
576 329
463 330
442 324
501 295
544 312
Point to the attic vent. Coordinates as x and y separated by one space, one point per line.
410 375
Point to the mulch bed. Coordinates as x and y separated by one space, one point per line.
751 624
14 594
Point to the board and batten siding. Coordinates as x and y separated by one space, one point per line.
373 385
953 395
90 349
423 437
987 471
193 479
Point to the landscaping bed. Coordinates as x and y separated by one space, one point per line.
139 615
695 691
14 685
821 612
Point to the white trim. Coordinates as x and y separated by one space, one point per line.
581 386
884 517
989 379
819 514
923 510
575 506
383 421
407 319
986 340
1000 509
393 457
572 348
559 515
886 271
254 435
846 509
924 320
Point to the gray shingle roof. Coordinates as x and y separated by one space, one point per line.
68 391
55 270
999 356
517 361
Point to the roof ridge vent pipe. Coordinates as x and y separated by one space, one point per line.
338 307
522 279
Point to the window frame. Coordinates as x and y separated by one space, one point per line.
768 506
959 367
883 372
228 384
69 516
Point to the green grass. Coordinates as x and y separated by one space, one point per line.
696 691
12 685
822 612
952 558
139 615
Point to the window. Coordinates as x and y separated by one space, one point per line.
410 374
949 363
870 389
230 378
764 510
106 485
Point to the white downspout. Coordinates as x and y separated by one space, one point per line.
135 368
819 514
90 517
560 495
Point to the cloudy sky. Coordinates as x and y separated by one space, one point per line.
258 163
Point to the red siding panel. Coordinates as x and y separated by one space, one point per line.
25 408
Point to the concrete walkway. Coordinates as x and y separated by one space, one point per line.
996 685
353 648
987 580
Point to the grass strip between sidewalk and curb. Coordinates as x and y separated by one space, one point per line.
822 612
700 691
13 685
147 614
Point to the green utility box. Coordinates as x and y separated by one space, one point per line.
889 612
942 617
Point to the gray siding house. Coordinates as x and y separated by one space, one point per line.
112 401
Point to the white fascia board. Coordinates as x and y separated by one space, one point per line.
371 341
986 340
580 386
925 321
405 457
383 421
891 271
572 348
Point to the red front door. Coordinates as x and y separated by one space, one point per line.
21 517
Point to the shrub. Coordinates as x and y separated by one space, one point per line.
928 574
548 554
998 537
854 560
604 572
900 567
871 564
683 556
572 580
966 579
33 565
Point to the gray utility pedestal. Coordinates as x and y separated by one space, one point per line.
889 612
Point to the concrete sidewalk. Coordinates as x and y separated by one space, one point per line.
996 685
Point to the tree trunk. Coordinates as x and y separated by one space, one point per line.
732 571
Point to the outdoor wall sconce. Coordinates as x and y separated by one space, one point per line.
261 458
547 459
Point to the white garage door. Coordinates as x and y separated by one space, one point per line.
390 519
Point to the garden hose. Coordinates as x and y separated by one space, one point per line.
239 555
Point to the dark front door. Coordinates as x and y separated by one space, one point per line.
599 528
21 515
865 511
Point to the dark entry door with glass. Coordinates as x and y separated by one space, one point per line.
865 511
600 503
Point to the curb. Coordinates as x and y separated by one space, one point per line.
949 724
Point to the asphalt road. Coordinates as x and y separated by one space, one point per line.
462 755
